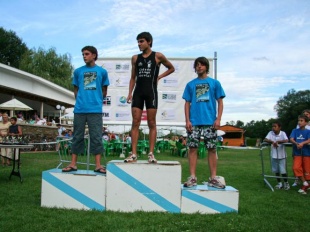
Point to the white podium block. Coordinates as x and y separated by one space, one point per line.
81 189
142 186
209 200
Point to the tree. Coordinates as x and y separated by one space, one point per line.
11 48
290 106
49 65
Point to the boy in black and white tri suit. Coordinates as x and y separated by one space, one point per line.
143 90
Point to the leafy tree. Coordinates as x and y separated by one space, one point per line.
49 65
290 106
11 48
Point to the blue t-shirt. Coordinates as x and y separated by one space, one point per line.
89 80
300 136
203 95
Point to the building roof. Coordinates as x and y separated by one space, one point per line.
20 84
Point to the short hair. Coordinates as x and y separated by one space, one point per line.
277 123
92 49
304 117
202 60
147 36
306 111
13 118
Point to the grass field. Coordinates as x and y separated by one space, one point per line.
260 209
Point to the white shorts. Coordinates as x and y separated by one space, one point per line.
278 165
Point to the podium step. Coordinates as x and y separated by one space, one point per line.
209 200
74 190
143 186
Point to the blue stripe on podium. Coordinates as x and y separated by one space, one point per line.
207 202
142 189
72 192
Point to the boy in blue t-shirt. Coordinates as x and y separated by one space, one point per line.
90 87
203 95
301 153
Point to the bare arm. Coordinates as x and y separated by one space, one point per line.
188 125
132 81
160 58
76 89
104 91
220 106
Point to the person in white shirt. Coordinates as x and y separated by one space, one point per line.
277 137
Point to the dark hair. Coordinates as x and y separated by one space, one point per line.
277 123
304 117
306 111
202 60
92 49
13 118
147 36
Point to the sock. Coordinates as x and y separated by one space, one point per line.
305 183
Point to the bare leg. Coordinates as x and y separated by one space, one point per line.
72 164
212 159
151 122
192 159
136 120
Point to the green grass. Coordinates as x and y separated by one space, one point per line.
260 209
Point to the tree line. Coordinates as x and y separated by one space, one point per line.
58 69
43 63
288 108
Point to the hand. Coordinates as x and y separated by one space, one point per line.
189 126
129 98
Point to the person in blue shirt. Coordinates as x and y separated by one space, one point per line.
90 87
203 112
300 138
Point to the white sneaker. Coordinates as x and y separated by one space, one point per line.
286 186
152 158
131 158
279 186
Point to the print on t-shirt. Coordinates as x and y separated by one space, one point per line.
90 80
202 92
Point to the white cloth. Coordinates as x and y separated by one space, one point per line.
279 152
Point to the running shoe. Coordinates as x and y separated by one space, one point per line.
191 181
152 158
303 189
215 183
131 158
286 186
279 186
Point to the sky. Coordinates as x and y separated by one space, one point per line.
262 46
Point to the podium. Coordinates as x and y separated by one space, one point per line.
208 200
81 189
130 187
143 186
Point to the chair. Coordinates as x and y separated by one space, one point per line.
202 150
160 145
181 150
172 147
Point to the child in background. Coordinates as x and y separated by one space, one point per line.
301 153
307 113
277 137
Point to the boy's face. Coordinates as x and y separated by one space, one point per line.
200 68
13 122
143 44
275 128
302 122
88 57
307 114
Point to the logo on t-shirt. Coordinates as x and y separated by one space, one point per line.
90 80
202 92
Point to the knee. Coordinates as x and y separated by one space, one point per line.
151 124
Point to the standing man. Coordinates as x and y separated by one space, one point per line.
203 95
6 153
144 80
90 87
